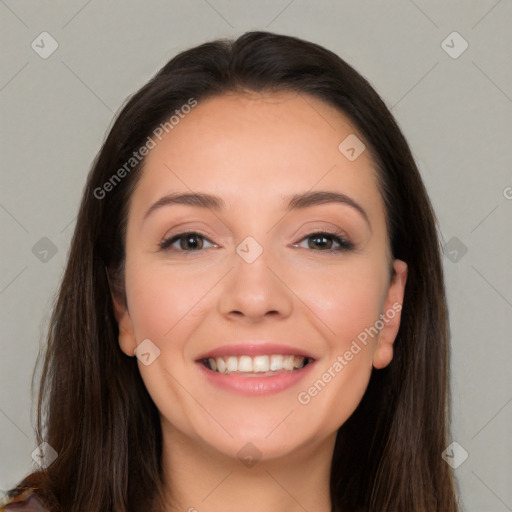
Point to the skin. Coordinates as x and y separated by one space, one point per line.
253 150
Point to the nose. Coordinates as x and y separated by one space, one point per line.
255 291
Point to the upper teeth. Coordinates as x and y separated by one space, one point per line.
255 364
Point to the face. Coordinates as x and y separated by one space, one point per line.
291 259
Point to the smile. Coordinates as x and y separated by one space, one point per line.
259 365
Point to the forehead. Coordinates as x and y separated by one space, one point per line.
252 148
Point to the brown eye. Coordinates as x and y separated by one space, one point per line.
324 241
191 242
320 241
188 242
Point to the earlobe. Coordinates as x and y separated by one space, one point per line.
127 343
390 316
127 340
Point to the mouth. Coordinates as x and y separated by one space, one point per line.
256 366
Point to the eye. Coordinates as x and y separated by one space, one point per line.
188 242
324 241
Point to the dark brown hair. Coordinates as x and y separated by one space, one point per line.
93 407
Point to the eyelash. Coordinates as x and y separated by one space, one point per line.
344 244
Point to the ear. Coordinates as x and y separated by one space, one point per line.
390 316
127 340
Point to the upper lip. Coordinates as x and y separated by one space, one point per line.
255 349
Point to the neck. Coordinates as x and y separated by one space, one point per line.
198 478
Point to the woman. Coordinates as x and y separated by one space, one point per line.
253 313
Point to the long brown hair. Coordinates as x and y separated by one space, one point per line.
93 407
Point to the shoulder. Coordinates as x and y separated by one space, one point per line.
29 500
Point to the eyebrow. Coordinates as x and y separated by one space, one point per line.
295 202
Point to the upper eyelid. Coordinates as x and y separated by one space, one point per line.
175 237
333 233
331 229
339 237
188 232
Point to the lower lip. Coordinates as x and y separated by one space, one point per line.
254 386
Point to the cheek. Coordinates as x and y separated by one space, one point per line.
345 304
346 299
161 299
165 307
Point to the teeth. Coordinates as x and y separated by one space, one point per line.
276 362
245 364
288 362
257 364
221 365
299 362
260 364
232 364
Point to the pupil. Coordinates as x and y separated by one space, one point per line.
191 242
323 239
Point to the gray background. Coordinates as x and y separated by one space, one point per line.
455 112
